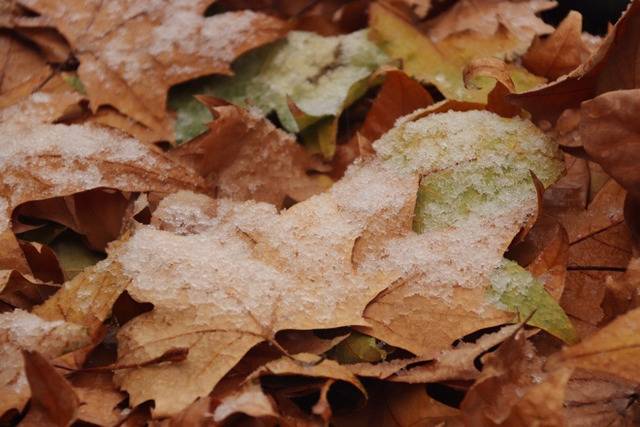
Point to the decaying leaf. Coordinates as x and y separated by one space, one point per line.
181 44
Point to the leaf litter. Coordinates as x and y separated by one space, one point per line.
326 245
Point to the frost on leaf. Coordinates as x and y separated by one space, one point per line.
38 162
233 274
320 75
179 44
475 194
19 331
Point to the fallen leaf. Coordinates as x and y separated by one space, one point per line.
245 157
513 391
38 164
612 349
98 398
53 401
441 64
248 400
393 405
594 400
560 53
19 331
611 67
181 44
291 71
611 137
24 292
623 293
487 16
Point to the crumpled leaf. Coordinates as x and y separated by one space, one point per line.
441 63
485 17
611 67
594 400
560 53
53 401
623 294
512 390
392 405
613 349
24 292
181 44
359 348
19 331
292 71
249 400
245 157
38 163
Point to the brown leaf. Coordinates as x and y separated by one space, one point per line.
22 71
614 349
611 67
245 157
39 163
610 135
180 44
249 400
486 17
19 331
594 400
560 53
24 292
98 398
623 293
53 401
401 405
513 391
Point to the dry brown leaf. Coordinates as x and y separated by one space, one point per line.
245 157
22 70
613 349
610 135
19 331
512 390
53 46
38 163
485 17
249 400
454 364
611 67
594 400
623 294
52 101
401 405
180 44
53 401
98 398
24 292
560 53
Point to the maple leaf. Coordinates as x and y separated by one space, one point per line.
441 63
180 44
464 187
292 71
245 157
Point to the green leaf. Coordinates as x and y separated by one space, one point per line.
76 84
514 289
358 348
320 75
